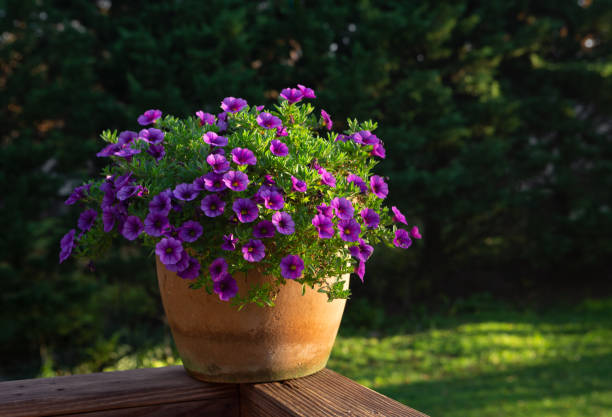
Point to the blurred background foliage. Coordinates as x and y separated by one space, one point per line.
496 116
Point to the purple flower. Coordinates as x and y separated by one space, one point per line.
362 252
342 138
152 135
192 271
243 156
343 207
298 185
218 163
127 152
278 148
254 251
379 150
327 121
86 219
358 181
327 178
218 268
281 131
325 210
269 180
126 137
212 205
148 117
398 216
307 92
291 266
236 180
229 242
292 95
365 137
245 209
156 224
349 230
360 270
127 191
379 186
66 245
259 108
402 239
160 204
123 180
190 231
273 200
169 250
222 121
205 118
181 265
232 104
226 287
77 194
370 218
264 228
283 222
268 121
108 218
324 226
185 192
157 151
214 140
109 150
414 232
132 228
214 182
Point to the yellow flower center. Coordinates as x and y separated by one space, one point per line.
251 249
293 267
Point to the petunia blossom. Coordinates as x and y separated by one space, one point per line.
325 210
148 117
324 226
157 151
226 287
273 200
169 250
402 239
218 268
185 192
291 266
283 222
268 121
190 231
358 181
365 137
229 242
349 230
254 250
414 232
66 245
233 104
343 208
192 271
205 118
327 121
264 228
132 228
156 224
298 185
87 219
378 186
327 178
379 151
212 205
236 180
213 139
152 135
214 182
278 148
306 92
370 217
292 95
243 156
218 163
362 251
160 204
245 209
398 216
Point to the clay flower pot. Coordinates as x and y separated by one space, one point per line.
217 343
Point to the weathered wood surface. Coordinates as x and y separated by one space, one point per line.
325 393
171 392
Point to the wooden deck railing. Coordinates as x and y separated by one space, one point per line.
171 392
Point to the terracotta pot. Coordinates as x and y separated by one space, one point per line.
217 343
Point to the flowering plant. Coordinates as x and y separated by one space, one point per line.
248 188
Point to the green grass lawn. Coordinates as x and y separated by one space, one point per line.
496 362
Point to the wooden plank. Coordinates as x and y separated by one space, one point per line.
107 391
325 393
220 407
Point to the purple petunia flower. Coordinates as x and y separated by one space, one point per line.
217 151
156 224
365 137
362 252
87 219
123 180
254 251
160 204
264 228
185 192
214 140
77 194
327 178
268 180
243 156
370 218
379 150
307 92
358 181
236 180
218 163
127 191
218 268
148 117
245 209
109 150
127 152
281 131
214 182
324 209
398 216
342 138
190 231
327 121
324 226
182 263
192 271
212 205
205 118
108 218
157 151
229 242
343 207
226 287
278 148
152 135
283 222
349 230
273 200
298 185
232 104
360 270
414 232
291 266
66 245
402 239
292 95
169 250
126 137
268 121
379 186
132 228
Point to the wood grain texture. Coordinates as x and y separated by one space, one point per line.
109 391
325 393
221 407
